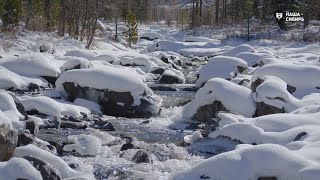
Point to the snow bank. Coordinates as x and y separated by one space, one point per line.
84 144
151 36
176 46
111 78
222 67
55 161
200 39
234 97
87 54
31 65
48 106
209 52
239 49
18 168
303 77
247 163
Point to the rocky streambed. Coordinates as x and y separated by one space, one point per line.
128 148
137 148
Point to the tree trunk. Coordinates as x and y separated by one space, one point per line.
217 11
248 21
62 18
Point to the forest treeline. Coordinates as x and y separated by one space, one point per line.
79 18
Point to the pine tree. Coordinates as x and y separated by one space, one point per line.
11 13
131 32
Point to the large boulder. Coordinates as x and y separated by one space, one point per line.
18 169
59 164
12 81
8 142
254 59
9 108
273 95
47 171
140 62
142 156
279 162
25 139
172 77
207 112
35 65
302 79
219 95
221 67
75 63
264 100
119 91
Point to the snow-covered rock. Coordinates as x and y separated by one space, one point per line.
291 130
64 170
172 77
141 62
75 63
150 36
221 67
93 106
272 95
219 95
51 107
46 170
121 92
84 144
10 111
246 163
106 57
305 78
253 59
169 60
239 49
193 138
18 168
35 65
8 141
11 80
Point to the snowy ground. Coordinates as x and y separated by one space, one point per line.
229 110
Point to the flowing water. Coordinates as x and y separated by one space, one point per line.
160 136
